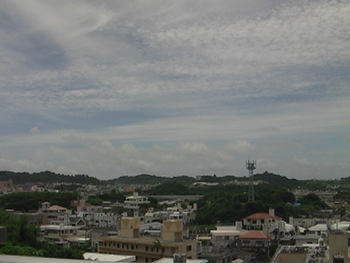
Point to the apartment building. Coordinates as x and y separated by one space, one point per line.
148 248
133 203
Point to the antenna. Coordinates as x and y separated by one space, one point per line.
251 166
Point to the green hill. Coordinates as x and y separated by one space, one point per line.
46 177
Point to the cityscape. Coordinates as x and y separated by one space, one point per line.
208 218
175 131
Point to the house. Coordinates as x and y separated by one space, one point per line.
319 230
58 234
261 221
255 239
309 239
53 213
224 235
302 222
148 248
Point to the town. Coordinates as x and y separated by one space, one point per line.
143 224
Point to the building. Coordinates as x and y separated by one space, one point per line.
59 234
6 186
148 248
255 239
261 221
180 258
23 259
53 214
133 203
298 254
225 235
338 247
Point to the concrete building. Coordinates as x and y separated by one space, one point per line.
148 248
261 221
133 203
256 239
6 186
302 222
53 213
224 235
336 252
59 234
338 247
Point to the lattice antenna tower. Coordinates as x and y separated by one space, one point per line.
251 166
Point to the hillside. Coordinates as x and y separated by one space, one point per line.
147 179
46 177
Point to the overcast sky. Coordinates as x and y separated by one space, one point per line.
112 88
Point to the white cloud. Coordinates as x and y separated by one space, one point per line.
241 146
162 86
34 130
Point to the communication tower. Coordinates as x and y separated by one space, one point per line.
251 165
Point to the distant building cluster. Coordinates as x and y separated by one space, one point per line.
143 233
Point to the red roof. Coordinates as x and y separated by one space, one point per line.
256 235
56 208
262 216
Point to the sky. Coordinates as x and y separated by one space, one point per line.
170 88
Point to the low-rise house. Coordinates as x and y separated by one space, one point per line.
302 222
225 235
104 220
261 221
58 234
255 239
319 230
53 213
308 239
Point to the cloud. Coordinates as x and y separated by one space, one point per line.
34 130
173 87
241 146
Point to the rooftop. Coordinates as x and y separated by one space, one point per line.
262 216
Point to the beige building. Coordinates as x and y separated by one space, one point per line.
147 248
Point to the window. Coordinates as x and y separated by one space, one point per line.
189 248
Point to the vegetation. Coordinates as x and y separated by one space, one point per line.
23 240
26 201
112 196
47 177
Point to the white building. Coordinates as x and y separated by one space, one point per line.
134 202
